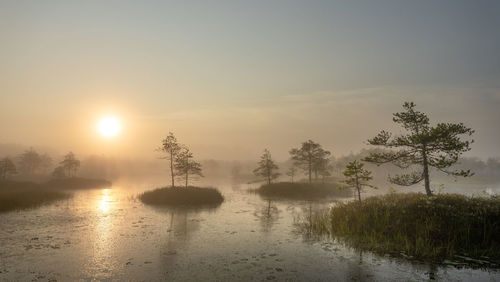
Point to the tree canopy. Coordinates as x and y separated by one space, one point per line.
7 168
186 166
311 158
357 177
267 168
171 147
420 147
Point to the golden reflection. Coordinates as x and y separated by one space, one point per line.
105 201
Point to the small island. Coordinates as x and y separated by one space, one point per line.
16 195
22 194
182 166
302 191
182 196
313 160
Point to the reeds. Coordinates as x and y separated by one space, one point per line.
440 227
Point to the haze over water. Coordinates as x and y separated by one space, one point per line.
93 89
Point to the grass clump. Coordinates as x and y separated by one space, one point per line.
182 196
437 228
24 195
302 191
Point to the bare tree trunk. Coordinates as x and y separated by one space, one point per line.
310 170
358 188
426 174
172 167
187 175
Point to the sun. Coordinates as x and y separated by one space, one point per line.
109 126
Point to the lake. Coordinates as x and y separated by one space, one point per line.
107 234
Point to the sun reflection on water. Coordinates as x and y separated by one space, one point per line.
105 201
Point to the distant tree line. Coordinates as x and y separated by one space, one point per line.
417 150
31 163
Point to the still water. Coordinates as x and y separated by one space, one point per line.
107 234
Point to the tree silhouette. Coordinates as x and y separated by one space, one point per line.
292 171
7 168
423 146
172 148
357 177
310 157
266 167
59 172
325 168
45 163
70 164
29 162
185 166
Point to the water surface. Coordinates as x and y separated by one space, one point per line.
106 234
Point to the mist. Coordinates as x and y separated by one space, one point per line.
249 140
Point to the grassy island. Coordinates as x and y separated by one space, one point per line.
302 191
449 228
16 195
182 196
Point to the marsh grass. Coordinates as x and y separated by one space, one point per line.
302 191
182 196
25 195
16 195
439 228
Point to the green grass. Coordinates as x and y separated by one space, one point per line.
302 191
441 228
182 196
25 195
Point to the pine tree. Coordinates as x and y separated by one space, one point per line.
7 168
186 166
266 167
310 157
423 146
171 147
357 177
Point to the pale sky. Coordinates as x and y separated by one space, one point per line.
231 78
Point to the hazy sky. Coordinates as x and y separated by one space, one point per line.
233 77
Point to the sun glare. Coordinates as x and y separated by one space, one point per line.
109 126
